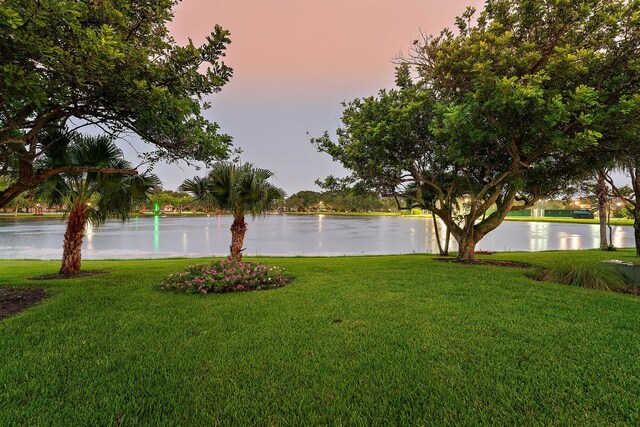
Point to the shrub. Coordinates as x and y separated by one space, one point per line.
595 276
631 273
225 275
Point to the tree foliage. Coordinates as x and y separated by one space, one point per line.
93 196
176 200
625 139
111 64
507 110
239 190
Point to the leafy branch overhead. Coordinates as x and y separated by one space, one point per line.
89 195
111 64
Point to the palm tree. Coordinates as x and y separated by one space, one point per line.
199 189
238 189
91 197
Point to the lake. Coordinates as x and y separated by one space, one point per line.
323 235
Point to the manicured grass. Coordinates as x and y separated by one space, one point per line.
30 216
346 213
614 221
395 340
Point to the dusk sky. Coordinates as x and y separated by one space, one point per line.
294 62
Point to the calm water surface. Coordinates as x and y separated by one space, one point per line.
160 237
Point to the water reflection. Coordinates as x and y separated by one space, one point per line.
620 236
285 235
569 241
156 234
320 222
538 236
88 236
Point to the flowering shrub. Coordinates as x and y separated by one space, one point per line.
225 275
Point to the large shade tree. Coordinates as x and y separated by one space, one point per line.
625 135
89 197
112 64
239 190
632 168
502 113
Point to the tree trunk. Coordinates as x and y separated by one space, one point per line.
636 230
435 230
444 251
635 182
602 193
447 240
467 238
238 230
72 247
466 249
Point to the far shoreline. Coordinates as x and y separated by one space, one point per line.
614 221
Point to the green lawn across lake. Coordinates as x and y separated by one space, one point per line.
614 221
392 340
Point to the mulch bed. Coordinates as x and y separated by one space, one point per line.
484 253
512 264
58 276
633 290
14 300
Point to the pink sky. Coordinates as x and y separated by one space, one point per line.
294 61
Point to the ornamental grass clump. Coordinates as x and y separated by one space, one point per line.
225 275
594 276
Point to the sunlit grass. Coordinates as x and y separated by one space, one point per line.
395 340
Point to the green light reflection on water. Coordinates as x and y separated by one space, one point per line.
156 233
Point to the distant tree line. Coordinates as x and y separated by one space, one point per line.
339 195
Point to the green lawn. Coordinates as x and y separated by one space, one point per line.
396 340
614 221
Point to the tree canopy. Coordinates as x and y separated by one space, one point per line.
501 113
111 64
90 196
239 189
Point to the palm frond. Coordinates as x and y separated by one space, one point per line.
54 144
103 195
239 189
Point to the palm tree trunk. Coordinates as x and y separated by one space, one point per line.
72 247
238 230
